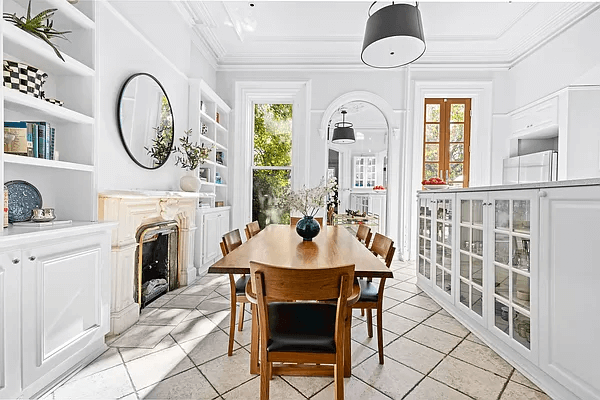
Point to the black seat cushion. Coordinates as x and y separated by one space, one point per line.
368 291
302 327
240 284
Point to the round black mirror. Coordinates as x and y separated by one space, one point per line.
145 121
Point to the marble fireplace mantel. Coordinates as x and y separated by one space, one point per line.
133 209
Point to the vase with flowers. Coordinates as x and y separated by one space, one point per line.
189 155
308 202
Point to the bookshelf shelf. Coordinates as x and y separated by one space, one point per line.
33 51
17 101
67 16
40 162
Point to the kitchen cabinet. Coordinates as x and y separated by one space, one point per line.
536 119
10 323
425 236
372 203
212 224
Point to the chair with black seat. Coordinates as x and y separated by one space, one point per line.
251 229
364 234
294 220
231 241
295 329
371 294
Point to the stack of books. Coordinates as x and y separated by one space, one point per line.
29 138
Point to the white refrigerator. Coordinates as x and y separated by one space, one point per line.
530 168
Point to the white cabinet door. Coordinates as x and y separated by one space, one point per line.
569 288
211 231
443 257
538 118
425 238
65 304
223 223
10 325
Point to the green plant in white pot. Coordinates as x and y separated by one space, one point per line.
189 156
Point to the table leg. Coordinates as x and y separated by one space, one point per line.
254 344
348 345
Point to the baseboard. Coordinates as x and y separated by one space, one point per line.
121 320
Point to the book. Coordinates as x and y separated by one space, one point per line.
15 137
34 138
29 140
41 140
52 132
47 154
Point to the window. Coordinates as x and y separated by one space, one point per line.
364 172
272 160
447 130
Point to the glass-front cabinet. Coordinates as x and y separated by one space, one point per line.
444 232
425 236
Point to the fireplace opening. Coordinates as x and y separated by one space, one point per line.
157 261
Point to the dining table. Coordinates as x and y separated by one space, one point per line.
280 245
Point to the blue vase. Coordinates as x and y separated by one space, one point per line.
308 228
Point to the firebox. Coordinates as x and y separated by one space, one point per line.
157 261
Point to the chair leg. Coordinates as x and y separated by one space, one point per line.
231 327
265 379
370 322
241 321
380 334
362 312
338 375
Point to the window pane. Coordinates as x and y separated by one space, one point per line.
457 152
267 188
432 133
457 133
456 172
432 152
457 113
431 170
432 113
272 135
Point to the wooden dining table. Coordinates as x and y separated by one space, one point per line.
280 245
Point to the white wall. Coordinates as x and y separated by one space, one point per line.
139 37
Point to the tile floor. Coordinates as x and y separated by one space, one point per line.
178 350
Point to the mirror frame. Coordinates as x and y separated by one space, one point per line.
119 118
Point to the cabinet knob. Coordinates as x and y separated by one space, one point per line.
543 193
31 258
16 261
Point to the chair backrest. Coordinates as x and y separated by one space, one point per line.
252 229
364 234
382 246
223 248
294 220
232 240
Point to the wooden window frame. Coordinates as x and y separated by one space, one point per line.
444 136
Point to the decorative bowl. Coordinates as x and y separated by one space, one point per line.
436 187
43 215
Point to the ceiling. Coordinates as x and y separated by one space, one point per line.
234 34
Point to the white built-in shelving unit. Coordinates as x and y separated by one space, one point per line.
69 183
209 119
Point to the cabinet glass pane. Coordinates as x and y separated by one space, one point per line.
464 266
501 284
501 312
501 217
521 218
428 249
521 253
477 242
438 277
428 228
477 212
422 205
448 234
477 301
439 256
448 212
521 289
422 226
428 209
448 258
440 232
477 271
421 246
465 211
447 283
465 238
421 266
501 245
522 329
464 293
432 133
427 270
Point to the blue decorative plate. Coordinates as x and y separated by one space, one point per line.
23 197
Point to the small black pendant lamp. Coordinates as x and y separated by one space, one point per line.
393 36
343 132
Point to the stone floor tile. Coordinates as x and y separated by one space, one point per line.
408 287
400 276
482 357
308 385
471 337
444 313
245 336
131 353
153 368
447 324
397 294
413 354
434 338
188 330
193 315
396 324
130 396
213 305
111 383
424 302
164 316
516 391
225 372
468 379
411 312
206 348
520 378
184 301
146 336
354 389
430 389
199 290
360 334
110 358
392 378
278 389
185 386
161 301
360 353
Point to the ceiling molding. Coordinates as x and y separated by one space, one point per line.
515 21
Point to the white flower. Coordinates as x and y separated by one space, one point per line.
309 201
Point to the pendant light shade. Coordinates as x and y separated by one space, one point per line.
393 36
343 132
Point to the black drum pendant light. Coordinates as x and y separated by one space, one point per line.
343 132
393 36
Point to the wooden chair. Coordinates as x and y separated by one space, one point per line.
371 295
231 241
364 234
251 229
295 329
294 221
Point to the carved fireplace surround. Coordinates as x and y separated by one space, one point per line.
133 209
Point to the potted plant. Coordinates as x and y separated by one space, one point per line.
308 202
189 157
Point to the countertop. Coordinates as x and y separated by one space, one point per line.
523 186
